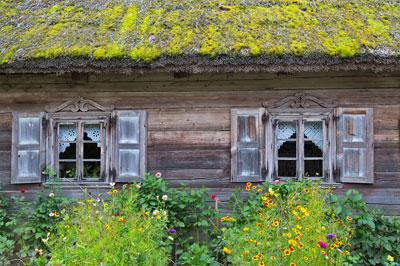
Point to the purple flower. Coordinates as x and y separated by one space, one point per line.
321 244
330 236
172 231
339 250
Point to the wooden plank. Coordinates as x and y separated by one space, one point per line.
216 119
189 139
182 159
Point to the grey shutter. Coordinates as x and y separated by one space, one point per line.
131 139
246 145
28 152
355 145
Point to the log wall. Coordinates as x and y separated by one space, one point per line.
189 118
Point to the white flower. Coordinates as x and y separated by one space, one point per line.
51 214
156 212
165 197
158 174
112 184
271 191
170 237
164 213
65 238
138 186
51 194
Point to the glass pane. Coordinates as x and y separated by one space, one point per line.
313 130
313 148
247 129
91 151
313 168
287 149
286 130
287 168
92 132
28 163
67 169
91 169
67 150
67 132
248 162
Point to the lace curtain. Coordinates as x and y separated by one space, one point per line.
312 130
68 133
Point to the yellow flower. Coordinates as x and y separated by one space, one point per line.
115 191
105 205
248 184
121 219
273 257
67 226
107 226
245 229
56 214
390 258
89 201
305 258
109 192
223 229
227 251
349 218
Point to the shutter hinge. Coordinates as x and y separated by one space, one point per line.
45 122
264 172
336 118
265 118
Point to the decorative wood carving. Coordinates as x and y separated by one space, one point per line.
78 104
300 100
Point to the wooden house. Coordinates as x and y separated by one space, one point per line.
214 93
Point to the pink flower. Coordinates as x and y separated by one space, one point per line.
23 190
213 196
321 244
158 174
277 181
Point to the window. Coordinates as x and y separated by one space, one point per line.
302 137
85 143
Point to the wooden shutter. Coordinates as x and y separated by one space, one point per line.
246 144
28 152
131 139
355 145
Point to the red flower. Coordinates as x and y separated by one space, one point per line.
213 196
277 181
63 207
158 174
1 206
23 190
117 214
39 185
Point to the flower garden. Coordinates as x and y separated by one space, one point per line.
148 223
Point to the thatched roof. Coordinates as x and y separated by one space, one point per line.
199 35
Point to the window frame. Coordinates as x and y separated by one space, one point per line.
300 117
55 119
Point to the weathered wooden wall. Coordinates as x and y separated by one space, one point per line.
189 118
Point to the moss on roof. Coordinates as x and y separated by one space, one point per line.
144 31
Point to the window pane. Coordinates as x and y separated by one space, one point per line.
286 130
91 151
128 130
313 130
313 149
287 149
91 169
129 162
313 168
67 150
28 163
248 162
92 132
29 130
247 129
287 168
67 169
67 132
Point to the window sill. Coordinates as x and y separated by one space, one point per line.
68 185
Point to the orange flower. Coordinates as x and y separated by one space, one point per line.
255 258
227 251
248 184
247 188
56 214
292 264
260 256
273 257
261 264
287 252
121 219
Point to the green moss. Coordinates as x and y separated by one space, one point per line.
143 31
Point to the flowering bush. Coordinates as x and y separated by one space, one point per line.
112 231
292 226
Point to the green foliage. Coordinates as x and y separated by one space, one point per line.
197 255
375 237
111 231
283 225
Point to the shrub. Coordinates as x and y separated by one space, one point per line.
293 226
113 231
376 237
